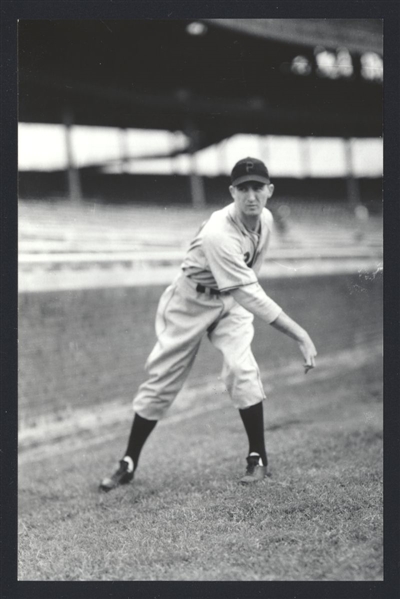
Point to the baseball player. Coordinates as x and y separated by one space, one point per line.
217 294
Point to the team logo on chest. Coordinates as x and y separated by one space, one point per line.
247 258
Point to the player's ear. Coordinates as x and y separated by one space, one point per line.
271 188
232 191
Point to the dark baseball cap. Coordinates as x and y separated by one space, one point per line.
249 169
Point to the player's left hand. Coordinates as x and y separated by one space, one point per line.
309 352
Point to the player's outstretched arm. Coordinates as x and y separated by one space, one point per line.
286 325
255 300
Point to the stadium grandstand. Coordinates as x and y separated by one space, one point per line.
209 80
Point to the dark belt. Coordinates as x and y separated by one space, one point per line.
202 289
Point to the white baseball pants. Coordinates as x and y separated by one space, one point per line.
184 316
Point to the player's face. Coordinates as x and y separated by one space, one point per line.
251 197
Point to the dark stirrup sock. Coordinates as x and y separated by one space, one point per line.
141 429
253 420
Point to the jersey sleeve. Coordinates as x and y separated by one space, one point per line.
268 218
226 261
256 301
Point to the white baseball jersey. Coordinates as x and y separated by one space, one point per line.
225 255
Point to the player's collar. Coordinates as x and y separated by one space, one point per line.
238 221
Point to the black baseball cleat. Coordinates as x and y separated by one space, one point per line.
255 470
122 476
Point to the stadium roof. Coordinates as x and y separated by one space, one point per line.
217 79
357 35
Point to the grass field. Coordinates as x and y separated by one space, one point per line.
185 517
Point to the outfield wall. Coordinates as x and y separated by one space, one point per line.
85 347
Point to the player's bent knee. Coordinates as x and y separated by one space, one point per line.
240 367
